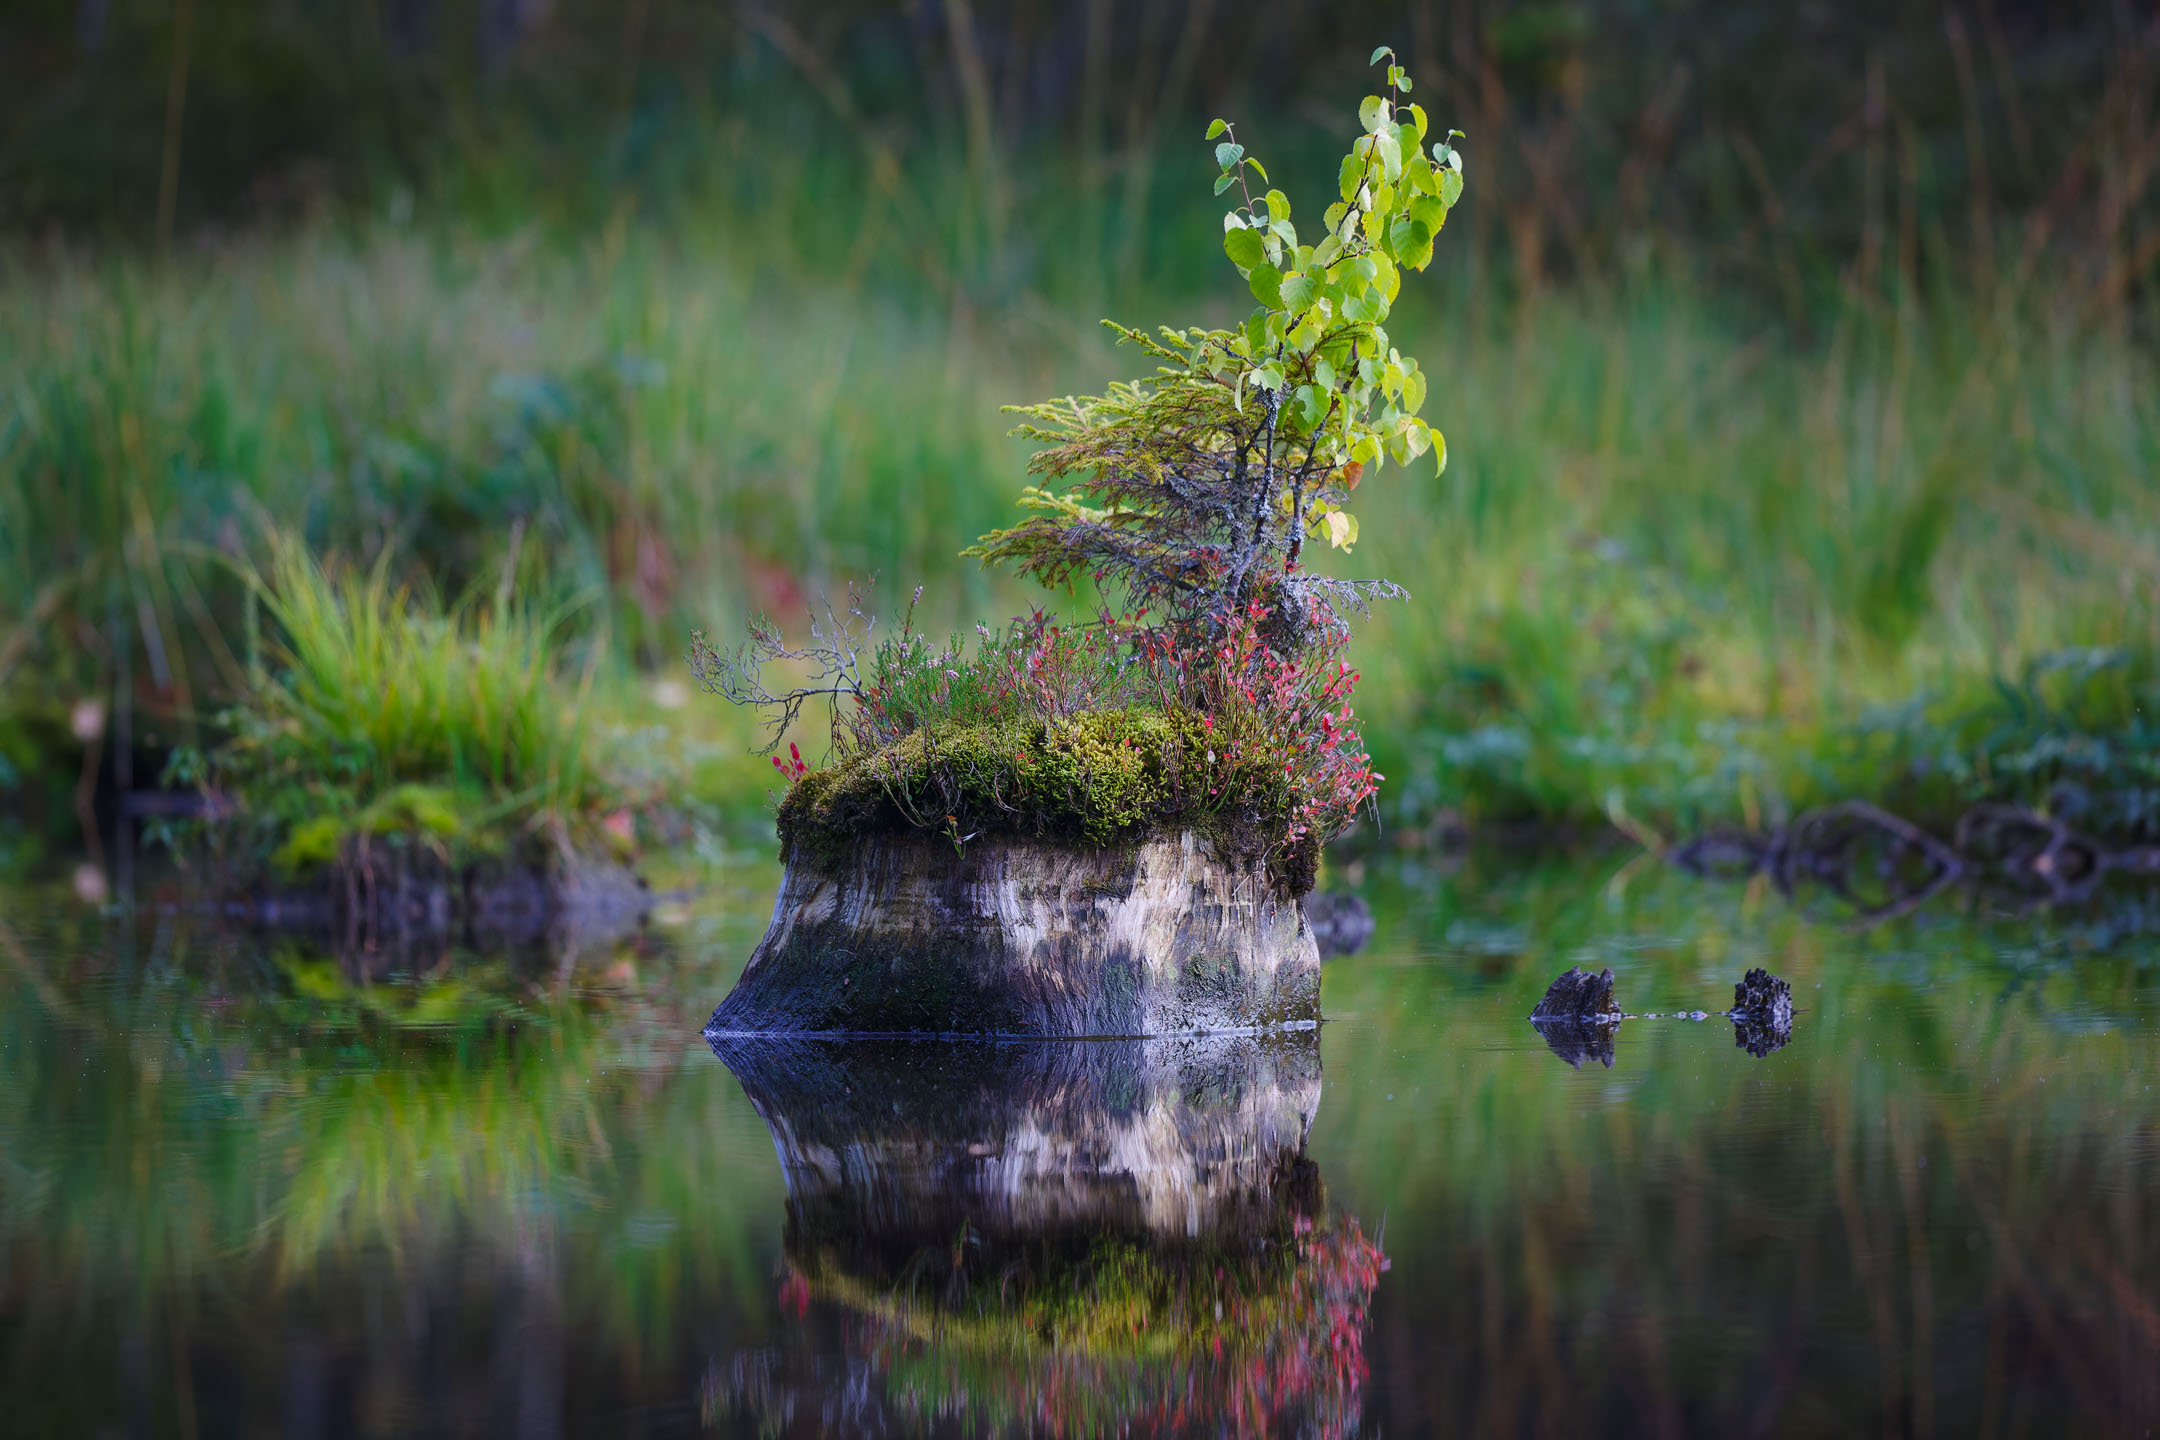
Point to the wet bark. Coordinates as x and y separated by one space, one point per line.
1013 937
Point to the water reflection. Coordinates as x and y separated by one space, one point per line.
1083 1237
1576 1041
247 1188
382 927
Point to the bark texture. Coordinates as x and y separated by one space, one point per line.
1580 997
889 1146
898 934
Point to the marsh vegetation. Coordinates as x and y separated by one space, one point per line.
1770 491
386 397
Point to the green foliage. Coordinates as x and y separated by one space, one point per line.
1196 487
1692 574
1683 550
377 712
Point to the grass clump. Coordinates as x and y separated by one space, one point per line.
380 712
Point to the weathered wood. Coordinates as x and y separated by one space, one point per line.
899 934
1762 1013
889 1146
1579 996
1763 996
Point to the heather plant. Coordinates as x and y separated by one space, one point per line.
1097 733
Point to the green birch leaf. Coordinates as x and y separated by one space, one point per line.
1411 243
1228 154
1265 281
1389 280
1244 249
1216 127
1390 154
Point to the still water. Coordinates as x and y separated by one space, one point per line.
252 1186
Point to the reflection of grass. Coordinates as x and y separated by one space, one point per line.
1961 1142
177 1134
1693 1234
469 994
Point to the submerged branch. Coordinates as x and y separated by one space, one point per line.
1886 867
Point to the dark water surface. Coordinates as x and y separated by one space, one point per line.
254 1187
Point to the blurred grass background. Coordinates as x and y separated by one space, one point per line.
1797 366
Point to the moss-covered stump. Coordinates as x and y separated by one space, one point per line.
899 934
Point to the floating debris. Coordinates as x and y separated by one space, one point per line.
1579 996
1758 1039
1761 1013
1762 995
1578 1017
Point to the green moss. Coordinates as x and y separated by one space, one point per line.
1107 777
425 813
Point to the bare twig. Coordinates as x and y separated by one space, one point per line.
834 657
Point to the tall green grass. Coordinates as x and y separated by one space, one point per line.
1682 565
1680 561
376 708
